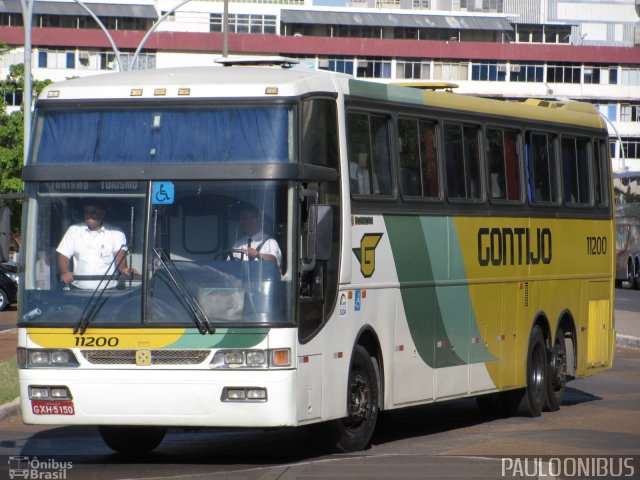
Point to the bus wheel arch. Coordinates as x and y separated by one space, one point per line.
353 432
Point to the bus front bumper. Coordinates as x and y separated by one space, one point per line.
194 398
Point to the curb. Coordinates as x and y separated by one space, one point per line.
627 341
10 409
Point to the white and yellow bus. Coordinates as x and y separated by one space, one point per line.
434 246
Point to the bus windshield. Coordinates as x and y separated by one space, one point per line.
167 253
232 134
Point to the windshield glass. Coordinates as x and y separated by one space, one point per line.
251 134
147 253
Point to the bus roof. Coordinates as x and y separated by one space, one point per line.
275 81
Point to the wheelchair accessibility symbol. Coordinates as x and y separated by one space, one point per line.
162 193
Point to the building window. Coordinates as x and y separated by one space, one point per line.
53 58
12 99
413 70
630 76
600 75
563 73
630 112
526 73
261 24
374 68
450 71
340 65
631 147
492 6
489 71
529 33
420 4
557 34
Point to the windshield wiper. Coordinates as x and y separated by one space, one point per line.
96 301
183 292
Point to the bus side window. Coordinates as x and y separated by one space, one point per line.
462 160
503 164
575 171
369 154
541 168
418 158
600 170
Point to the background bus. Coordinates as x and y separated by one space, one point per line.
433 246
627 196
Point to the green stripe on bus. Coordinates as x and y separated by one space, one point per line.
440 317
419 296
223 338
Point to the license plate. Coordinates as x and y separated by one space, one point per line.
58 407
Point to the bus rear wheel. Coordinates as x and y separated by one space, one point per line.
532 400
132 440
353 433
557 378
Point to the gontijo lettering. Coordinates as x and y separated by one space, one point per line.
514 246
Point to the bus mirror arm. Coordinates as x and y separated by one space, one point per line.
316 238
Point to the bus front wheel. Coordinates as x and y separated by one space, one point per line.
534 395
132 440
353 433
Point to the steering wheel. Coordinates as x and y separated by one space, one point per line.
227 254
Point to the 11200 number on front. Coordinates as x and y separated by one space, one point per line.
97 341
596 245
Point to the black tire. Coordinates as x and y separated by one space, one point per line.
353 433
4 300
618 283
531 400
132 440
557 376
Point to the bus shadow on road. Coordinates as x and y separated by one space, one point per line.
573 396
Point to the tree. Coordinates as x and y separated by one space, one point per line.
12 138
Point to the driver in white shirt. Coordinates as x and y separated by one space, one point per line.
93 246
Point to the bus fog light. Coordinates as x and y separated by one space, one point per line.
38 392
236 394
256 394
60 392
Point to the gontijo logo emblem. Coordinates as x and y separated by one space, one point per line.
366 254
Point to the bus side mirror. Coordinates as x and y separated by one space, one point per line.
5 233
317 236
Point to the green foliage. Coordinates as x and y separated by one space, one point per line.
12 139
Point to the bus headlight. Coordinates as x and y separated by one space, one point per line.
46 358
252 359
